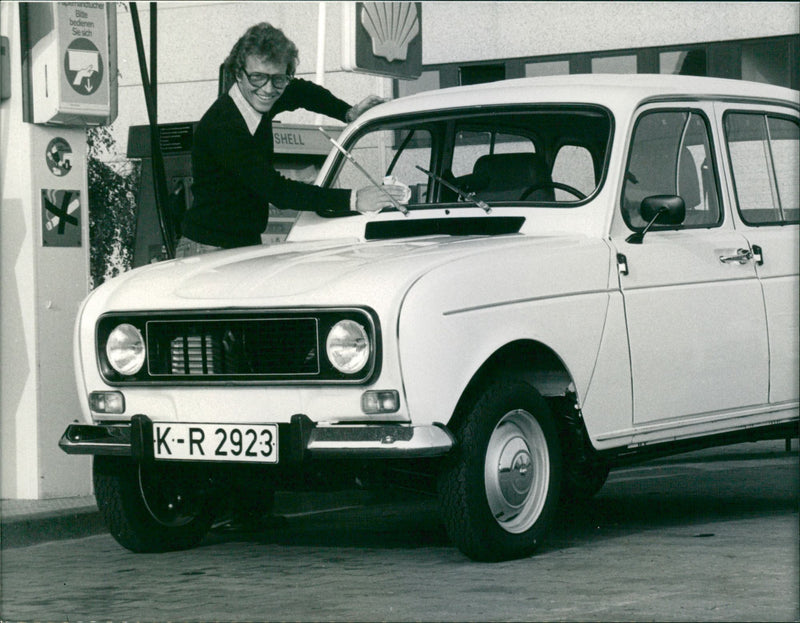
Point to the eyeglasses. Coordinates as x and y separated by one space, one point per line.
258 80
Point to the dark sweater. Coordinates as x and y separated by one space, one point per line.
234 176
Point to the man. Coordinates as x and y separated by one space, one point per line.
232 154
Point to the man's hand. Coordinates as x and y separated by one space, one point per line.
372 199
363 106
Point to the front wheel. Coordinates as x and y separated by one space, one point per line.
499 489
152 508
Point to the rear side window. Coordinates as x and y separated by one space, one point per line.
575 168
470 145
764 152
671 155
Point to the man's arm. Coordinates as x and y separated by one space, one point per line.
304 94
311 96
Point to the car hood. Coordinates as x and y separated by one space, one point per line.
306 273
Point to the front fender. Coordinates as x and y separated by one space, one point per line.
455 317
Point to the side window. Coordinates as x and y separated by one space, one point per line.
385 151
574 167
496 166
469 146
764 153
670 154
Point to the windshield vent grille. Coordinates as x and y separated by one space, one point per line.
481 226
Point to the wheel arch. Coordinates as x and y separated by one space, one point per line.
538 365
531 361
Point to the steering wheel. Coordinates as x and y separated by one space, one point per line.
558 185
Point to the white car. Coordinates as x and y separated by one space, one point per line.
591 269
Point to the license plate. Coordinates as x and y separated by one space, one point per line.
247 443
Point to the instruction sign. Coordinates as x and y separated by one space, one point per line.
83 32
83 66
72 62
59 157
61 218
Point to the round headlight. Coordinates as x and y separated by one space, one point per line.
125 349
348 346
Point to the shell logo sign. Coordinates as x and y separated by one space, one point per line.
392 27
383 38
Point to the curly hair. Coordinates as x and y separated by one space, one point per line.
267 43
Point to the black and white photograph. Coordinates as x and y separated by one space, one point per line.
399 311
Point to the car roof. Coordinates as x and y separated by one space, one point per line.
610 90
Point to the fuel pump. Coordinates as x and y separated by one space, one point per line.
57 77
299 151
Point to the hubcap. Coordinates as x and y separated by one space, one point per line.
517 471
514 471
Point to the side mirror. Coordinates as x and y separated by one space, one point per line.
664 209
667 209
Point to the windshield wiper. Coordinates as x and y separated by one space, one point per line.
358 166
464 196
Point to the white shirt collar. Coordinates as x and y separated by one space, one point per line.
251 116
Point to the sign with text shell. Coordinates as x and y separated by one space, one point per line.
382 38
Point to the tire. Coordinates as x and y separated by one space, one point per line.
152 508
494 514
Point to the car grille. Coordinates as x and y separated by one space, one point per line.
232 347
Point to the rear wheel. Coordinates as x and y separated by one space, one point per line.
152 508
500 487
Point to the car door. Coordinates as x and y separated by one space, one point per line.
693 303
763 156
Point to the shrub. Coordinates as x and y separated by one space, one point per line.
112 206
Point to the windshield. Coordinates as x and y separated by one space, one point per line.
552 157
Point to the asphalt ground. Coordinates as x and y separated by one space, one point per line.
28 522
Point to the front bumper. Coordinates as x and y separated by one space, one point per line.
300 440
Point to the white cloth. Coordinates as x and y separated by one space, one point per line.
391 180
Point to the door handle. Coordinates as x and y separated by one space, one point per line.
742 257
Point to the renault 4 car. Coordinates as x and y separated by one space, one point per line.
590 270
